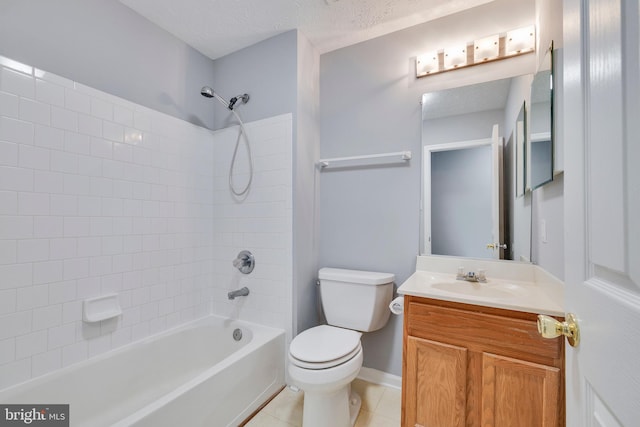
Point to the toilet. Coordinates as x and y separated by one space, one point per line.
324 360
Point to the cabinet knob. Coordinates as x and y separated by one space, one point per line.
549 327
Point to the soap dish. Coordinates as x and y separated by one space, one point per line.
101 308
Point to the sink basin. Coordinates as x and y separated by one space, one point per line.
510 286
477 289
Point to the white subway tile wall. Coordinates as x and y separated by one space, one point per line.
100 195
262 223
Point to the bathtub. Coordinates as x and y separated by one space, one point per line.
194 375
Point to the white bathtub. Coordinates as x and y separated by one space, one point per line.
195 375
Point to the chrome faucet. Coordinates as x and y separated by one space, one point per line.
243 292
471 276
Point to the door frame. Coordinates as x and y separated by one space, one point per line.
495 142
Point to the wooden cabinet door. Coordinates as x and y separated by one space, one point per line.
435 384
516 393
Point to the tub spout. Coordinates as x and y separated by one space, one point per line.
243 292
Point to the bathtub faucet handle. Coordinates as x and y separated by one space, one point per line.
244 262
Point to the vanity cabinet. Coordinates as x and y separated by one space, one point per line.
475 366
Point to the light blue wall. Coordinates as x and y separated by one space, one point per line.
267 71
369 217
105 45
370 103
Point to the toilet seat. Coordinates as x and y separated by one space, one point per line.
325 365
324 346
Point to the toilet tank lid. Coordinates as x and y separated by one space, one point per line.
355 276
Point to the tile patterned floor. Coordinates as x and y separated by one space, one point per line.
380 408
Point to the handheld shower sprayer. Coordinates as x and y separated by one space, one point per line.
208 92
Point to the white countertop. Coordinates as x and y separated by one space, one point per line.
517 286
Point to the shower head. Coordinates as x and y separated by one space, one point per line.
206 91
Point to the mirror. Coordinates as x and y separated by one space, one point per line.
540 152
462 182
484 114
520 138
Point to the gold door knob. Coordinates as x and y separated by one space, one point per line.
496 246
549 327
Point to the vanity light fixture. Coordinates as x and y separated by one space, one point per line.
455 57
486 49
522 40
427 63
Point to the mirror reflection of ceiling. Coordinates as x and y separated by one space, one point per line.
465 100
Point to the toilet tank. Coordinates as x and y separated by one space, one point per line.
355 299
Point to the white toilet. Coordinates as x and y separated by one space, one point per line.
325 359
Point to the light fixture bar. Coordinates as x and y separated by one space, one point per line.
486 49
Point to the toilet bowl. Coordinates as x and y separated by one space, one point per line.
324 360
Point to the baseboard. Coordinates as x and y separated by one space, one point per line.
378 377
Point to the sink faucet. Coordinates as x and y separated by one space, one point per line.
243 292
472 276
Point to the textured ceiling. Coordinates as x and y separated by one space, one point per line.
219 27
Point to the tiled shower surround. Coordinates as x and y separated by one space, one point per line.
99 195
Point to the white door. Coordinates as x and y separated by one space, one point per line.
602 210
